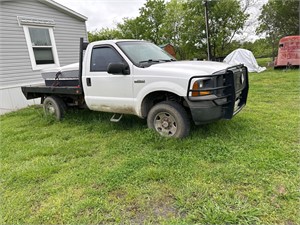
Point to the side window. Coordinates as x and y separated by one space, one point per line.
102 56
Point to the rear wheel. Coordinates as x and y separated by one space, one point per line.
54 107
169 119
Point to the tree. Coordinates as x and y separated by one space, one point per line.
172 27
151 19
260 48
131 28
148 25
279 18
193 30
226 19
182 23
104 34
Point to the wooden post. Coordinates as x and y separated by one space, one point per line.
207 30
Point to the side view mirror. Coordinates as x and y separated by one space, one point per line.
118 68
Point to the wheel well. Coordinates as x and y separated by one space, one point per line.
69 100
159 96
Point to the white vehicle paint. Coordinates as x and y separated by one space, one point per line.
125 93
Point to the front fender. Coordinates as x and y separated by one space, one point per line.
157 86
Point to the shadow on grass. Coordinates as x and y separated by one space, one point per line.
92 121
224 128
92 118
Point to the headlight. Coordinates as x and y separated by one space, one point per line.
199 87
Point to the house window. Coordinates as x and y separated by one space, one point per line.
41 47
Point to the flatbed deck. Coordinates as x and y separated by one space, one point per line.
32 92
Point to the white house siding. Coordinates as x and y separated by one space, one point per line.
15 65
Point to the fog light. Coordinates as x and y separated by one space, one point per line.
203 93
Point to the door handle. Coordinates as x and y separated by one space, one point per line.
88 81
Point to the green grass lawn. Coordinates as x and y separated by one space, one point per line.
87 170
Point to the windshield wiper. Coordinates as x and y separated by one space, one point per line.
152 61
149 61
167 60
157 60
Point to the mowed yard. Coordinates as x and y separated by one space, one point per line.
87 170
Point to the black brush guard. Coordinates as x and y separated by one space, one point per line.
230 90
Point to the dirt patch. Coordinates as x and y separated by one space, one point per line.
155 210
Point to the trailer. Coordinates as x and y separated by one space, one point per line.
288 52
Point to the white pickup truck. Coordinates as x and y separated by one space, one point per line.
137 77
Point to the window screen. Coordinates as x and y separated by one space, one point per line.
102 56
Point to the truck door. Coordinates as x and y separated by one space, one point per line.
104 91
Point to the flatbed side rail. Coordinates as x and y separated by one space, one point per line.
31 92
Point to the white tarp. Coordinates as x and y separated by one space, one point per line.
246 57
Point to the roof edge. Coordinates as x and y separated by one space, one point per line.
65 9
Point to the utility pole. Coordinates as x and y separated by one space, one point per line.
207 30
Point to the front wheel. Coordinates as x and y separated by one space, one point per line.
169 119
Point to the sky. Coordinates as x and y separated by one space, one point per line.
104 13
107 13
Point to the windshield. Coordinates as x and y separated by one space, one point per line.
144 53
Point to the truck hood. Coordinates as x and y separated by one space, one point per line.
185 68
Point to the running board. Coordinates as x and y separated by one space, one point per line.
116 118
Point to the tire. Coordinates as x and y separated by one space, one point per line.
169 119
54 107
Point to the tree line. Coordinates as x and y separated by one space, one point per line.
182 24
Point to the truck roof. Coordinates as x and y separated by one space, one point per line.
114 41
